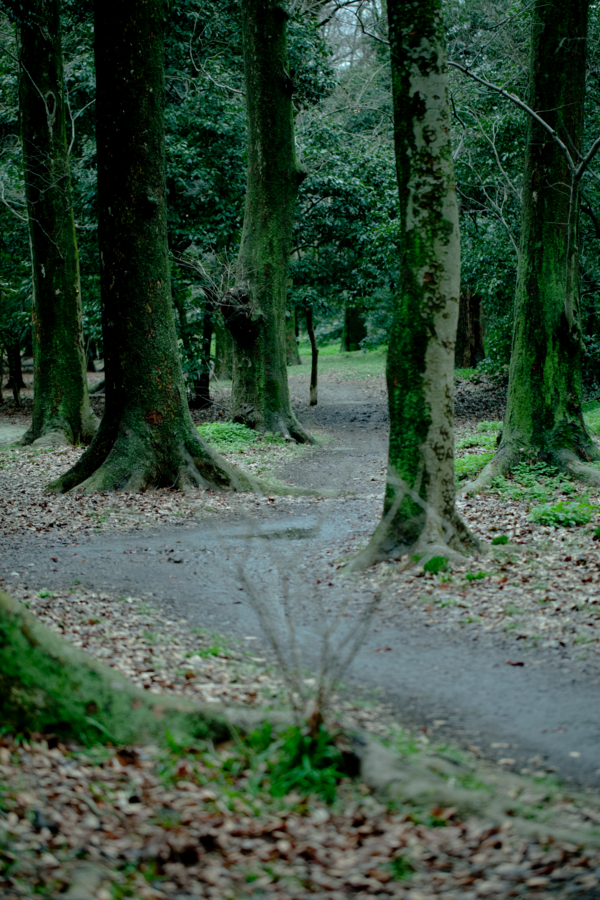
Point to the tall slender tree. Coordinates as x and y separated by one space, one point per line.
61 407
146 438
419 514
255 308
544 407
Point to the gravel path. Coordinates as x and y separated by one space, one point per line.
531 707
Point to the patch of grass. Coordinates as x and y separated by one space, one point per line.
489 426
591 417
584 639
465 373
215 650
564 513
488 441
436 564
532 482
402 868
476 576
471 465
232 436
501 539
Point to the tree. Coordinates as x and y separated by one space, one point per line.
61 409
146 438
255 308
419 514
544 406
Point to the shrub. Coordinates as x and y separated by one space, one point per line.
565 513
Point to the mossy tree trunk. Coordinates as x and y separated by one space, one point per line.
419 514
469 349
354 330
291 337
314 356
146 438
61 407
255 308
543 414
223 351
201 396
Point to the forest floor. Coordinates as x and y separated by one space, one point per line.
493 665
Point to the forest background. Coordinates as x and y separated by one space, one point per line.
345 257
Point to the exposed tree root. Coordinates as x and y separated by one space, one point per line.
136 459
576 464
48 685
287 426
438 535
58 432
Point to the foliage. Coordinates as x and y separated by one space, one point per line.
307 764
499 540
471 465
563 513
532 482
436 564
231 436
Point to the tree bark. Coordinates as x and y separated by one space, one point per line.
61 407
543 413
146 438
314 356
201 398
255 309
223 352
469 349
419 515
291 338
354 330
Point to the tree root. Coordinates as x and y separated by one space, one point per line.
510 455
438 537
136 460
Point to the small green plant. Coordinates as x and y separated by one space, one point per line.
301 762
501 539
436 564
44 594
402 868
471 465
565 513
215 650
475 576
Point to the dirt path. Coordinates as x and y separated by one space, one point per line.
453 684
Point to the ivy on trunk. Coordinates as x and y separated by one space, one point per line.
61 407
419 515
146 438
254 309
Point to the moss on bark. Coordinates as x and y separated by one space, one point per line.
48 685
255 309
419 513
61 409
543 414
146 438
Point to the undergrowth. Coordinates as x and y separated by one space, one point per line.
231 436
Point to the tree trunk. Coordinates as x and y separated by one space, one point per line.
354 330
255 309
543 413
291 338
1 373
61 406
469 349
15 373
314 356
223 352
201 398
146 438
48 685
419 514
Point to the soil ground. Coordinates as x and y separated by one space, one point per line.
499 656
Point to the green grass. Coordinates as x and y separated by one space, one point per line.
489 426
332 360
471 465
232 436
436 564
539 482
476 440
